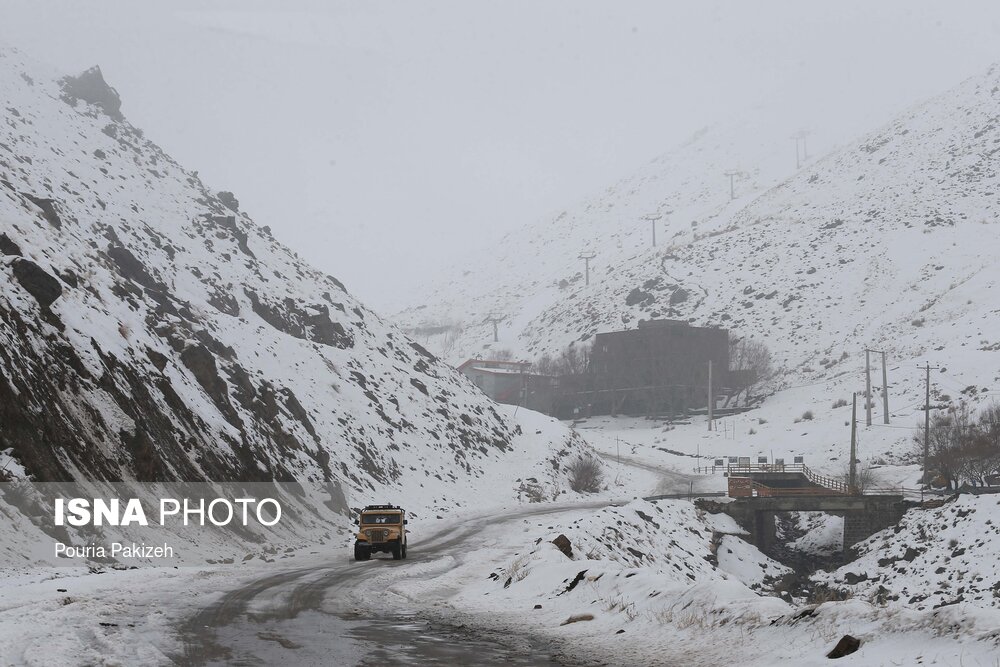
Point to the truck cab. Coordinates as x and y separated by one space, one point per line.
381 528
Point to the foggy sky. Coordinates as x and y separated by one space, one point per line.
380 139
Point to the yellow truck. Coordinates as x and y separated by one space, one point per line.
381 528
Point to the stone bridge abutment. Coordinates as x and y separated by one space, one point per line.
863 515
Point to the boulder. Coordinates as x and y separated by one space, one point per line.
563 544
846 646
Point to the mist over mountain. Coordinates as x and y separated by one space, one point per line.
888 241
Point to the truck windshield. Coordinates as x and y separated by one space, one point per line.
371 519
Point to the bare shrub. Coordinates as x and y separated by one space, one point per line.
962 447
573 360
865 477
822 593
534 493
585 475
750 364
619 604
807 415
839 403
517 570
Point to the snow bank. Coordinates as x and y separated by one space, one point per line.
931 559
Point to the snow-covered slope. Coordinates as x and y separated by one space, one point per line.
534 272
150 330
932 559
888 242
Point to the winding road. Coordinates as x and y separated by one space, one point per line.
303 616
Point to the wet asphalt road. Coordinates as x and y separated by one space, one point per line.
279 619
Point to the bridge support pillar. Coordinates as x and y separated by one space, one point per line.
876 515
764 531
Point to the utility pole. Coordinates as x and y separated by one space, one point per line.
732 188
800 136
885 392
586 257
852 480
495 319
653 218
927 416
868 388
710 399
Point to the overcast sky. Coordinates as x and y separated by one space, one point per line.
379 139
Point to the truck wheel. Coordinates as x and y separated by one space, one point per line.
404 551
362 553
397 551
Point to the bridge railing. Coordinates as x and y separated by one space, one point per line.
762 491
747 469
921 495
831 483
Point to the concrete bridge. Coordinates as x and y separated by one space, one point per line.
863 515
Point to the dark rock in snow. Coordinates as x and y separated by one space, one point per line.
91 87
846 646
852 578
48 207
37 282
325 331
225 302
229 200
638 297
563 544
8 247
130 267
201 363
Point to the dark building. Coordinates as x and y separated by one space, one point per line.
660 367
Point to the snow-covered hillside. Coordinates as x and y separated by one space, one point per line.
886 243
534 271
932 559
150 330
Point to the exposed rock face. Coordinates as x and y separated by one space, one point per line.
91 87
166 336
229 200
36 282
8 247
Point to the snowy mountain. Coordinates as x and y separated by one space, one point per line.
888 242
149 330
535 272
